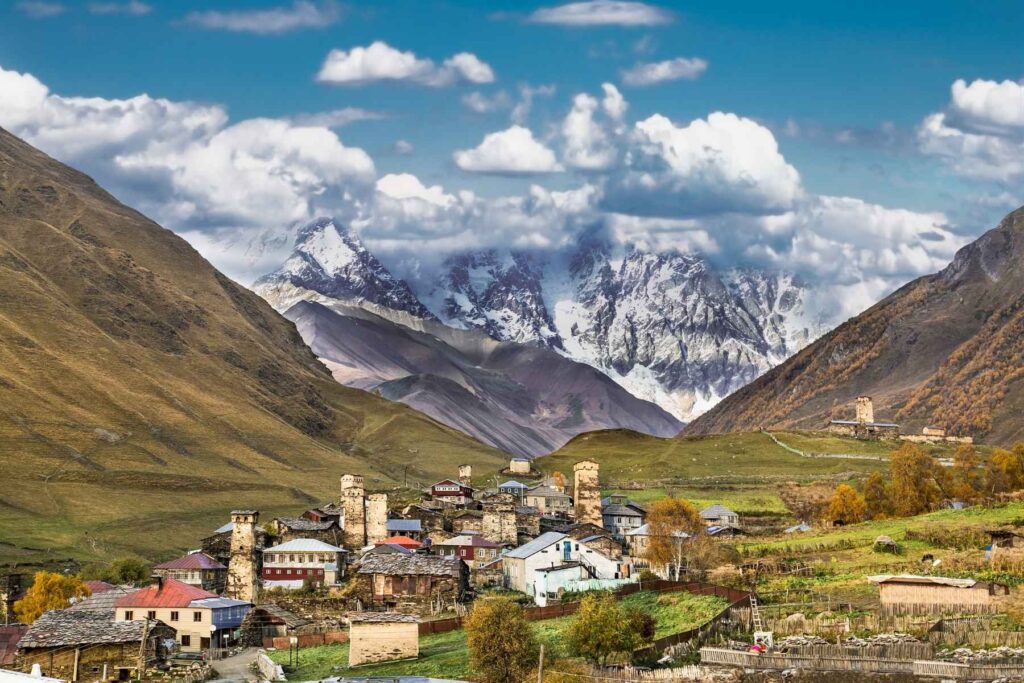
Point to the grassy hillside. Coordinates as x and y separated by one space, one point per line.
741 470
143 395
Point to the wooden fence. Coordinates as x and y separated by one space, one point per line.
307 640
782 662
969 672
890 651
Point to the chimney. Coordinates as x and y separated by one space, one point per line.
158 581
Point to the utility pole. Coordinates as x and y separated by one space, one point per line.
540 665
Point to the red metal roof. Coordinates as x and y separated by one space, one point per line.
173 593
192 561
9 637
96 587
403 541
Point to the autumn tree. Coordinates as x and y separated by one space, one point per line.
1005 471
670 524
49 591
601 629
876 496
915 481
846 506
501 642
966 478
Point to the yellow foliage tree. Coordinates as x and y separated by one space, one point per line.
915 482
876 496
846 506
967 479
1005 470
49 591
670 524
501 643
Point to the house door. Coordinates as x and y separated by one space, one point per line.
566 551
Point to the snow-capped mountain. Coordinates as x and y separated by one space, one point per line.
333 262
666 326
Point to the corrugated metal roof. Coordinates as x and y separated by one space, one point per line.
716 511
404 525
536 545
304 545
218 603
513 484
925 580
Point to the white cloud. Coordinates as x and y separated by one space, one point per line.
614 104
981 132
38 9
480 103
135 8
587 144
381 62
988 106
645 74
408 186
724 163
182 162
527 93
337 118
603 13
403 147
511 151
300 14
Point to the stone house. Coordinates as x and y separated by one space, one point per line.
291 564
411 528
863 426
430 520
527 521
195 569
412 583
218 544
621 515
719 515
550 502
291 528
473 550
519 466
200 619
382 637
466 521
91 645
909 594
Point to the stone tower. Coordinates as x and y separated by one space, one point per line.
242 579
352 494
865 409
587 492
376 518
499 522
466 475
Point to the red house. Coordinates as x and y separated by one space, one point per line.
451 492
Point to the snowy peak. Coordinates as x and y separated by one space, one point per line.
331 261
501 295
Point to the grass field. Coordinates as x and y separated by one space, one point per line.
842 558
444 655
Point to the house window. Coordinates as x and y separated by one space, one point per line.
129 615
174 616
186 641
151 614
197 616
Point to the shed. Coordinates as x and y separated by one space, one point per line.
911 594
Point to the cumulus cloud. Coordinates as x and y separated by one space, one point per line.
981 132
724 163
511 151
614 104
184 163
403 147
135 8
652 73
381 62
588 146
407 186
527 93
39 9
301 14
603 13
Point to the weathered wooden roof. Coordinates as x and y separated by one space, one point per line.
409 565
62 628
382 618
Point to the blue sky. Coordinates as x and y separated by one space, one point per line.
843 89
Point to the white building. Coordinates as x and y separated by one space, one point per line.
553 559
719 515
289 564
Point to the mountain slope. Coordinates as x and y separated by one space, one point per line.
945 349
665 326
143 395
527 400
